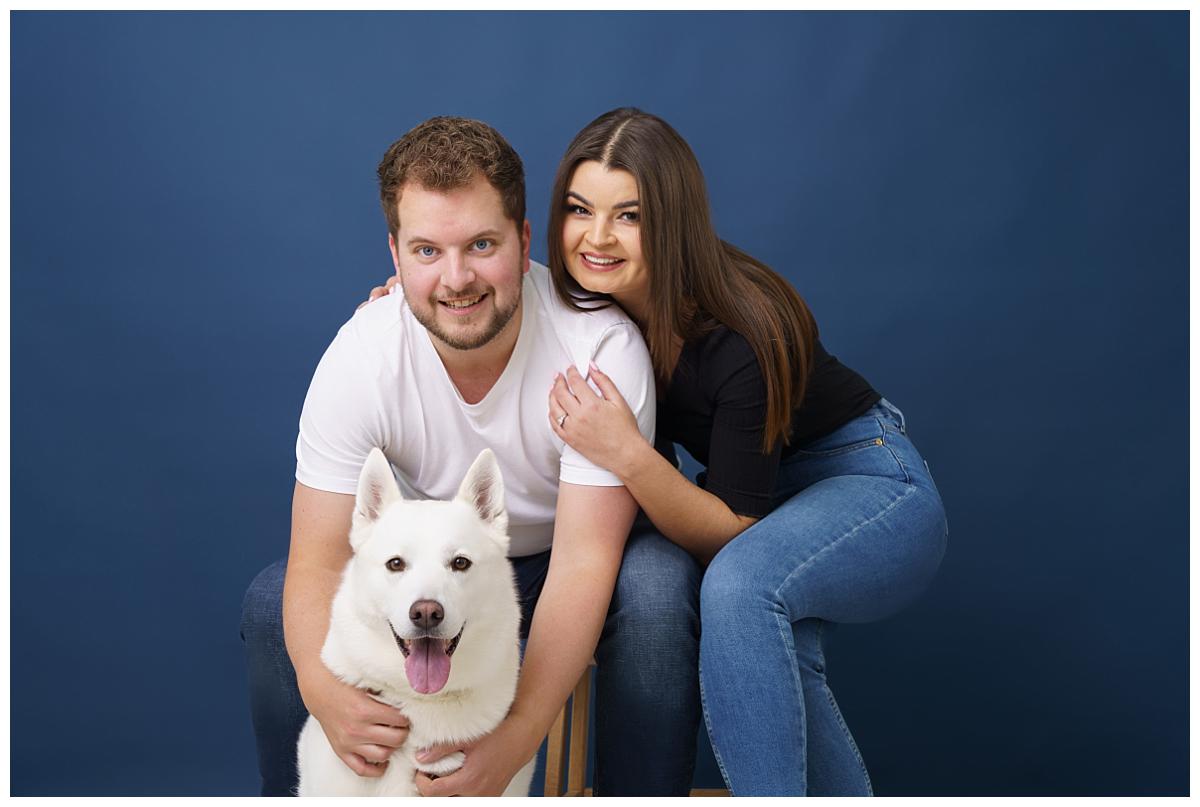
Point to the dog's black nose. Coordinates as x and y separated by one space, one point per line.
426 614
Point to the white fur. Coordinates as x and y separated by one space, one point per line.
481 601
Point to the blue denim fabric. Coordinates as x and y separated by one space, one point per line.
646 674
858 533
276 709
647 684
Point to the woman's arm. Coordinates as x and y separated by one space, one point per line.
683 512
603 430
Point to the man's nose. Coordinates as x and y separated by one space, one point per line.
456 274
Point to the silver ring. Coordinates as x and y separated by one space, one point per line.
562 420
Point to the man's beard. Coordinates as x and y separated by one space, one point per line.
497 323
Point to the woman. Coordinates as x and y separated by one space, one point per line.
814 507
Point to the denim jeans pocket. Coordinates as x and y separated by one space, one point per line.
861 447
862 432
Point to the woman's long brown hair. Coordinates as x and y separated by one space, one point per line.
697 281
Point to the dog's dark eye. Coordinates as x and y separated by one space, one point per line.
460 564
395 565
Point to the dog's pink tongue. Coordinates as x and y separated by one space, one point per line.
427 665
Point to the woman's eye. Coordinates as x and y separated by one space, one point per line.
631 216
576 210
395 565
460 564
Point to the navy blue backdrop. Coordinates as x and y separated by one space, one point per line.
988 214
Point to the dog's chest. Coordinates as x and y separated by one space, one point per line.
453 717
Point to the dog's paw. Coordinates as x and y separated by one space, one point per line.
444 766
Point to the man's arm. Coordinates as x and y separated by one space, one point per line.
362 731
590 530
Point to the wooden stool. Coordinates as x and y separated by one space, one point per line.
567 757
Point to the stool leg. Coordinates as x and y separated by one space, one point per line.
577 769
556 746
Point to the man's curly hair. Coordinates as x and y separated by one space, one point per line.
445 153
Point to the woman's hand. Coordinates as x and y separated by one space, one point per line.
601 428
380 291
491 763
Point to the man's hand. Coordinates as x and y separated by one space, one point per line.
362 731
491 763
380 291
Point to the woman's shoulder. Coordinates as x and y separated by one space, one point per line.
721 355
720 346
712 360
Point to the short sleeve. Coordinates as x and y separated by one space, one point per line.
739 473
621 354
341 420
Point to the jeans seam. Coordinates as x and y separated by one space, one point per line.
903 469
899 463
711 739
908 491
837 712
789 646
833 705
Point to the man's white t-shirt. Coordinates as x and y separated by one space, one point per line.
382 384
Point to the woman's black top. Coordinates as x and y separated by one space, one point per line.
716 408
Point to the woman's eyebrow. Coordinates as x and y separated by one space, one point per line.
631 203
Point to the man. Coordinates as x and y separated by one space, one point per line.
463 360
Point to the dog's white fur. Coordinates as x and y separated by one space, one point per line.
481 602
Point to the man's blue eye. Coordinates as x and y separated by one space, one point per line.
482 244
425 252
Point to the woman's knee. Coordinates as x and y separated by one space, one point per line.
733 589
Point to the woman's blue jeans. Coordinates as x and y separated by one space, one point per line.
647 688
858 533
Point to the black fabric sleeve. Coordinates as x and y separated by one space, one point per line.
739 473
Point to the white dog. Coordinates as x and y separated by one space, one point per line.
427 617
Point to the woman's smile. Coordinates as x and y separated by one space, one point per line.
600 262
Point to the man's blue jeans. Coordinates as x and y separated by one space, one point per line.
859 532
647 687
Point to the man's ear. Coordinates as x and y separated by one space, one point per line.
395 254
525 231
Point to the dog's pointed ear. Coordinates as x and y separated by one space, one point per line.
483 489
377 489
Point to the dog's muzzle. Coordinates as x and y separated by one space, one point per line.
405 645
